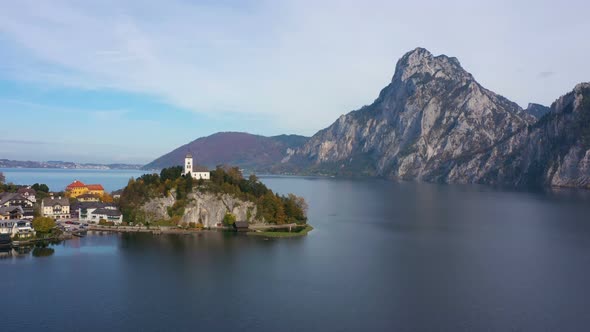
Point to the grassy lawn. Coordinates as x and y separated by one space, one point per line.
302 232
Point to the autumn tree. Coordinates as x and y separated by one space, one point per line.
43 224
106 198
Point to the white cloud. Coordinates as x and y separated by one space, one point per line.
301 62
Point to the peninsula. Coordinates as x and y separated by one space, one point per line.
192 197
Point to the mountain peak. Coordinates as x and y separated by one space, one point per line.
419 52
421 61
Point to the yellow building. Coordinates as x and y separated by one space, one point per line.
78 188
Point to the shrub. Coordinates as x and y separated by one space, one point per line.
229 218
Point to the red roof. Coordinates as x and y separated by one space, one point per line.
94 187
75 184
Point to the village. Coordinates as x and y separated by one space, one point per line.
33 213
72 210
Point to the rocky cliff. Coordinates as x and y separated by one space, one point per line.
431 116
206 208
537 110
554 151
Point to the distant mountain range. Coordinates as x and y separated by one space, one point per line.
5 163
433 123
247 151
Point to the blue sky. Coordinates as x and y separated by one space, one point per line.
114 81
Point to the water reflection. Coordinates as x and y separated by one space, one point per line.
38 249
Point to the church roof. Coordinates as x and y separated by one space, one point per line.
199 168
188 155
95 187
75 184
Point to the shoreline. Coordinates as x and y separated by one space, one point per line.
256 231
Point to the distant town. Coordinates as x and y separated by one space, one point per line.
28 210
5 163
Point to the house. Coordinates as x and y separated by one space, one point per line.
56 208
197 172
241 226
16 199
92 212
29 193
11 212
6 226
78 188
107 213
88 198
22 228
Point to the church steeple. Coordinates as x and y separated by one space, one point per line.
188 164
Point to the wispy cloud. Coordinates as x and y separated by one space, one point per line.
299 62
546 74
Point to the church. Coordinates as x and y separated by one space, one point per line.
197 172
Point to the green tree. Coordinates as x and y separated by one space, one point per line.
188 184
2 178
170 173
43 224
229 218
40 187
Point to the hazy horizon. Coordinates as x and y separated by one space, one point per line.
106 82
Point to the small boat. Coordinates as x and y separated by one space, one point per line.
5 239
81 233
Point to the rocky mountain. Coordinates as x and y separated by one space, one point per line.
431 117
553 151
251 152
434 122
537 110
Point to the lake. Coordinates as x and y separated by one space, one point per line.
57 179
384 256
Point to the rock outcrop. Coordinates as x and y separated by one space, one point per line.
537 110
206 208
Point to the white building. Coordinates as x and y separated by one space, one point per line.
196 172
56 208
93 213
22 228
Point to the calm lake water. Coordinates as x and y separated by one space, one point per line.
384 256
58 179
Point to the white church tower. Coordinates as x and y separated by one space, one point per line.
188 164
